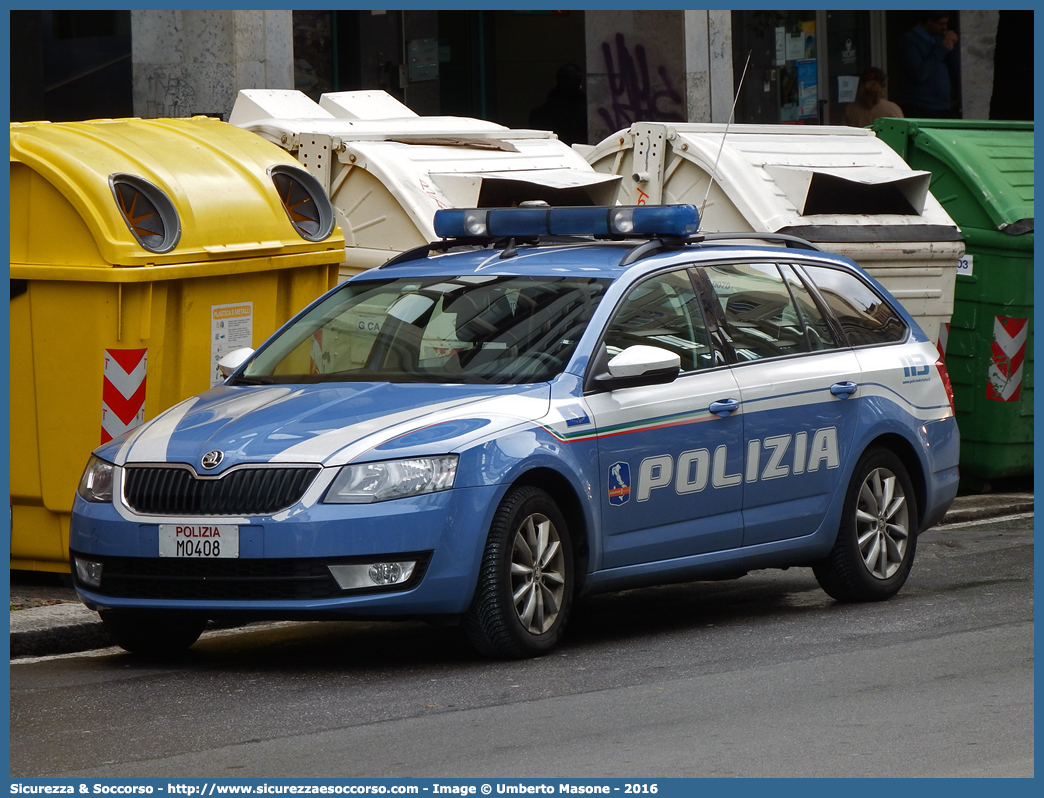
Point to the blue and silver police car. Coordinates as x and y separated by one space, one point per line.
545 403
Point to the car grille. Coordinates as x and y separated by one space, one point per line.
239 579
163 490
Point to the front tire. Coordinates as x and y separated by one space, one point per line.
153 633
876 541
525 586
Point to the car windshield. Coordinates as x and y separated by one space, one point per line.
469 329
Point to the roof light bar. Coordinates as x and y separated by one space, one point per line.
605 222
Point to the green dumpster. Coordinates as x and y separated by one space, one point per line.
982 174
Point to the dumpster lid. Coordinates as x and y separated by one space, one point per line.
373 115
994 159
254 104
429 162
783 177
364 105
167 191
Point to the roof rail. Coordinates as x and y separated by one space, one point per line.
417 253
792 242
651 247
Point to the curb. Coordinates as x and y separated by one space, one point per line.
70 627
977 508
57 629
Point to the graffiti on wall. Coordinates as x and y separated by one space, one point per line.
634 97
169 93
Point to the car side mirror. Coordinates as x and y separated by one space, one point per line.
640 365
233 360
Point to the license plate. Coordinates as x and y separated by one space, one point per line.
200 541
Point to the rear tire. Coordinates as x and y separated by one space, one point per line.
525 586
153 633
876 541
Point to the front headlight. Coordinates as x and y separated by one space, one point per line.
96 482
392 479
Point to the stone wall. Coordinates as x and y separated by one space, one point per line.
978 50
195 62
636 69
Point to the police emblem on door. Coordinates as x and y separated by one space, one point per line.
619 484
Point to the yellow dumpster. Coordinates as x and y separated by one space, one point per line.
142 251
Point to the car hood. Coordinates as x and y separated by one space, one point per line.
328 424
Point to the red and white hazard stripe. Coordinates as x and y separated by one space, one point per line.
123 391
944 337
1009 350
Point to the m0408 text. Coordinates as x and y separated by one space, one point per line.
198 548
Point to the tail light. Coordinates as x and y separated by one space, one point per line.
941 365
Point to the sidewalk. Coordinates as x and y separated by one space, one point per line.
47 618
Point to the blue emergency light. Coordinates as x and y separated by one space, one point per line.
619 221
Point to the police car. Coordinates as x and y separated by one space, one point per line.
544 404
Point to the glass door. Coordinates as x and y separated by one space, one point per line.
848 54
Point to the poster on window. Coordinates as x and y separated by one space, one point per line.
847 85
808 92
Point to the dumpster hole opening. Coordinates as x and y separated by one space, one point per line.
835 195
510 193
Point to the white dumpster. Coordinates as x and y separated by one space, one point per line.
839 187
387 170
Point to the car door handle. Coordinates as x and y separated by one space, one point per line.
843 389
724 407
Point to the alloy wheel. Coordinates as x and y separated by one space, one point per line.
882 523
537 573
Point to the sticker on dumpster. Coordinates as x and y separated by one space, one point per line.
1009 350
231 328
964 266
123 391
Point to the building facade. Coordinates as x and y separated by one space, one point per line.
795 67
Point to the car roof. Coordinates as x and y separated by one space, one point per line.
584 259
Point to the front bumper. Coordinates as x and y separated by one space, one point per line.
283 568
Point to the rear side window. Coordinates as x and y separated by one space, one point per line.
865 317
814 324
759 313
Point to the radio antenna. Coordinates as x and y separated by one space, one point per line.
721 146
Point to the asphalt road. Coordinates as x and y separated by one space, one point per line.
762 676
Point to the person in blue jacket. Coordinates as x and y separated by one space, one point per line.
928 58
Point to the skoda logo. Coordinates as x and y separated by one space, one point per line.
213 459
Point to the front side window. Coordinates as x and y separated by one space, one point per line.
469 329
865 317
662 311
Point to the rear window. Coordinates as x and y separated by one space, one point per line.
866 317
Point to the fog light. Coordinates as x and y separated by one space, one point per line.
385 573
378 574
88 572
